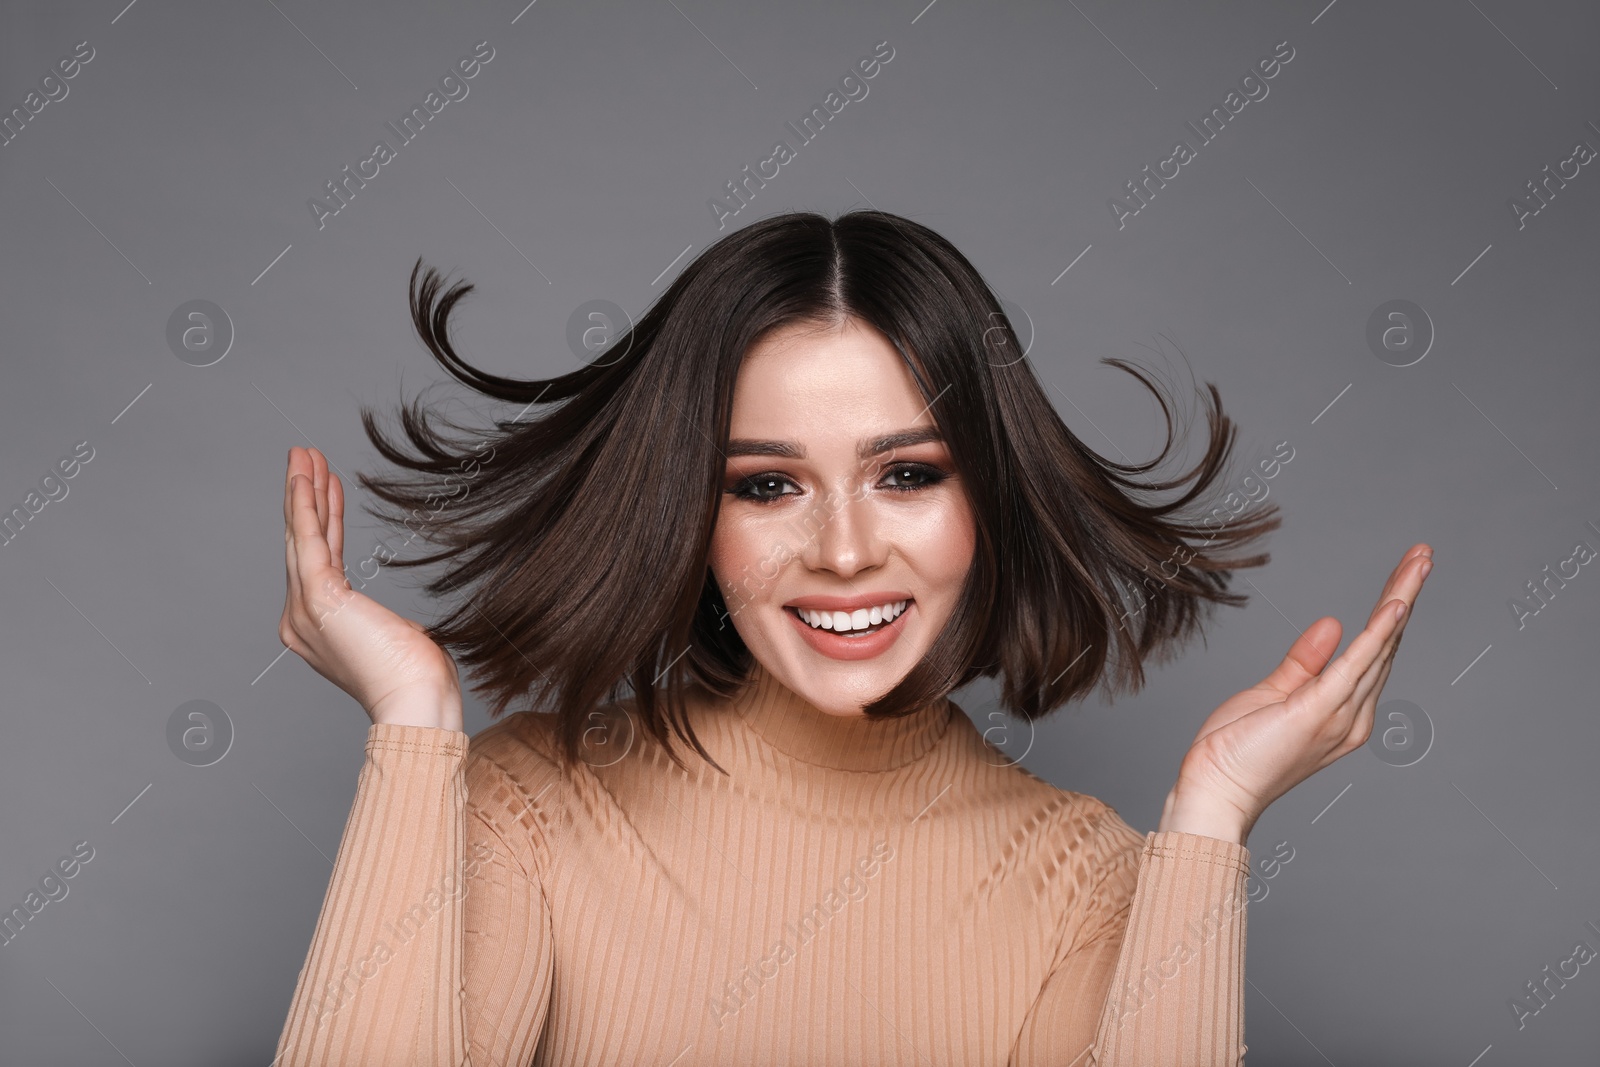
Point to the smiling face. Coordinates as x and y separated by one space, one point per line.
838 499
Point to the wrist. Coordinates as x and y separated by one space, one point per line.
436 710
1192 813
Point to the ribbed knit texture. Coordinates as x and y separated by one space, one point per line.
853 892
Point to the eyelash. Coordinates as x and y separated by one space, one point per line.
744 489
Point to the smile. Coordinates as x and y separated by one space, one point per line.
862 620
859 634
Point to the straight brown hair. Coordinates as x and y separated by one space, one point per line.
581 542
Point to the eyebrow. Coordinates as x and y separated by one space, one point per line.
746 446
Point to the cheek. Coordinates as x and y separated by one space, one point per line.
962 535
735 554
943 541
745 567
960 544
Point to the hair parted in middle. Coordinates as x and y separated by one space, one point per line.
580 545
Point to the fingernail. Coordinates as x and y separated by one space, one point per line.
1426 567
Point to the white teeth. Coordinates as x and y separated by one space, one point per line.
860 619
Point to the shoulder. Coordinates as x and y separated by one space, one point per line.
514 773
522 745
1080 837
1093 843
1052 810
522 738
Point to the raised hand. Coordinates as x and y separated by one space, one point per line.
385 661
1261 743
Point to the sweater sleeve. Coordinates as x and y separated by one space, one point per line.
1150 970
433 945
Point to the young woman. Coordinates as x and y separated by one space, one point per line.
808 495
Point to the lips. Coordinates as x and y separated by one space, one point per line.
849 603
852 621
853 644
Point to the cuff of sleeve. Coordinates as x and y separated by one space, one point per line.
1176 844
418 740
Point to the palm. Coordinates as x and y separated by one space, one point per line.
1262 742
387 662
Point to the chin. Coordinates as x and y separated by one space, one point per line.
841 687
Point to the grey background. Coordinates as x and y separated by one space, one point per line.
1419 899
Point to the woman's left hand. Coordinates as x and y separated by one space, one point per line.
1264 741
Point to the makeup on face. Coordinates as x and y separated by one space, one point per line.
844 536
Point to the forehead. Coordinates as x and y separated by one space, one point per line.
804 375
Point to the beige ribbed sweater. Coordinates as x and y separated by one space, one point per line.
855 893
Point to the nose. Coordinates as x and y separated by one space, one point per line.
850 538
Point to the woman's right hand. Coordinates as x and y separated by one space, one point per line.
386 662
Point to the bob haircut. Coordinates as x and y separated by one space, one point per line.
582 539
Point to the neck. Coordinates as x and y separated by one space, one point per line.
790 723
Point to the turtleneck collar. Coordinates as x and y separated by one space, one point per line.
787 722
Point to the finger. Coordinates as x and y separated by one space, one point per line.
1363 703
1342 691
288 478
1355 715
1387 648
1420 550
292 564
1371 685
1410 568
311 547
336 520
1412 573
1338 683
1310 655
289 569
1307 656
319 486
1408 592
294 608
319 482
1369 703
1362 724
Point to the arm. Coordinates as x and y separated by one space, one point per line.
1170 973
1150 970
433 945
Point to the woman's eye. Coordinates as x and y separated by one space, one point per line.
921 476
762 488
769 488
